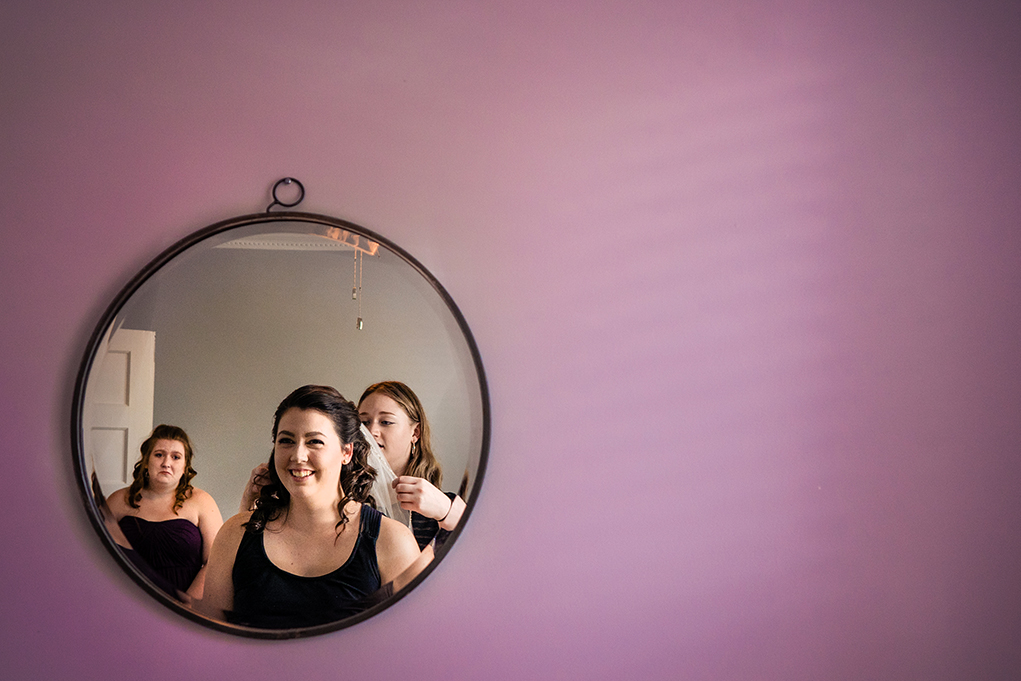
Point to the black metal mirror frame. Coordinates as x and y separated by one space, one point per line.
77 416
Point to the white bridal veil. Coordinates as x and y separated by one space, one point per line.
382 489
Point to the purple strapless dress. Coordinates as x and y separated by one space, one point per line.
172 548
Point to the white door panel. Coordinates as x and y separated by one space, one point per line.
118 405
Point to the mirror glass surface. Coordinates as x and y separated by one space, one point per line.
217 330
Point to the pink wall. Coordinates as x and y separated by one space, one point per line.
745 278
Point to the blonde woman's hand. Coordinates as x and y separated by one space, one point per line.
422 497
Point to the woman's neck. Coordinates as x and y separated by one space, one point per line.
157 502
308 513
158 493
400 466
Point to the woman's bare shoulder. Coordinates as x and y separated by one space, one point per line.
202 498
396 535
118 502
218 591
200 494
236 523
396 549
230 533
391 525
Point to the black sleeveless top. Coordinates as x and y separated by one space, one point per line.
267 597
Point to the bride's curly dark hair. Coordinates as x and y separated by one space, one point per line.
356 476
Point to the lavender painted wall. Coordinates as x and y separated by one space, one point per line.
745 277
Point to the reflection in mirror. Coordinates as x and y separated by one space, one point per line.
215 331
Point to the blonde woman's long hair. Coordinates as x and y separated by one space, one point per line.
422 463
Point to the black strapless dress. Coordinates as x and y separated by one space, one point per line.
172 548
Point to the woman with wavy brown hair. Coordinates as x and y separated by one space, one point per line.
169 523
314 550
394 416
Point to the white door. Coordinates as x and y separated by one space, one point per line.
117 414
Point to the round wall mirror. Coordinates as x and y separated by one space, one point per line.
218 329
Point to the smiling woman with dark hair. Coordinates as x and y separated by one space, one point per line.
315 549
407 474
169 523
